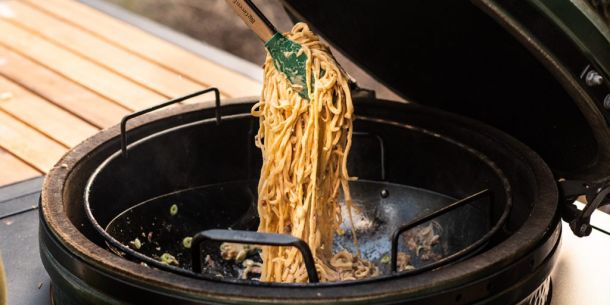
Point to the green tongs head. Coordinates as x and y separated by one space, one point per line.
287 59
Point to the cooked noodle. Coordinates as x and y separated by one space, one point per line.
305 144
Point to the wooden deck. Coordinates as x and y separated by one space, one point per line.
67 71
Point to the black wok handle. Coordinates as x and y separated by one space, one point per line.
437 213
255 238
170 102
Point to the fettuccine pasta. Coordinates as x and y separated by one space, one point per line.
305 145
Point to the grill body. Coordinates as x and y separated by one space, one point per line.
183 147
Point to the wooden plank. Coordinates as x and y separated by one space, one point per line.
14 170
142 71
64 93
43 116
155 49
29 145
76 68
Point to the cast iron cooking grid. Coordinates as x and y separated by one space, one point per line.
249 237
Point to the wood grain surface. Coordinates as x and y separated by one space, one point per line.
68 71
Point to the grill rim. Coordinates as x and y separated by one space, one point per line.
69 237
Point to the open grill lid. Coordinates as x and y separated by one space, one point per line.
537 70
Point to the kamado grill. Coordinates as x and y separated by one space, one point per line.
537 71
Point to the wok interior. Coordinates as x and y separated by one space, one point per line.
234 207
422 168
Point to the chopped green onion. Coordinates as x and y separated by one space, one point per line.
136 243
173 210
186 242
168 259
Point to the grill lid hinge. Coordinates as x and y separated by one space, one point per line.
596 194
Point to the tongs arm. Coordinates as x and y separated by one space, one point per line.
253 18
